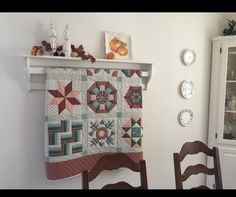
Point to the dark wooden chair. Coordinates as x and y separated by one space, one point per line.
194 148
115 161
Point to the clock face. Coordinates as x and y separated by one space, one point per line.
189 57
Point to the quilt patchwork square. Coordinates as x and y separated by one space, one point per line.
64 137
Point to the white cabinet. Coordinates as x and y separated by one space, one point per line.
222 112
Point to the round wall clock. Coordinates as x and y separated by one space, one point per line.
187 89
189 57
185 117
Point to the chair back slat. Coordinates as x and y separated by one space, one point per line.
196 169
194 148
201 187
112 162
120 185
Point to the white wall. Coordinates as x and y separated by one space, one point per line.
157 37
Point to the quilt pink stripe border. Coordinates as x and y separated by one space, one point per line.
65 169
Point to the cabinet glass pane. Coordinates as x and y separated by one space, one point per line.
230 97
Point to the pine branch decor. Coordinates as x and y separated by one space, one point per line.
231 30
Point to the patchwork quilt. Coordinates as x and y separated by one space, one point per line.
90 113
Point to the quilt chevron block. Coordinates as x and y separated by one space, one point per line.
90 113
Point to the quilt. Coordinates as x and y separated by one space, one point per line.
90 113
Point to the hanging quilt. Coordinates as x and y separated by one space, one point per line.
90 113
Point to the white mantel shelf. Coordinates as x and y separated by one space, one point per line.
36 65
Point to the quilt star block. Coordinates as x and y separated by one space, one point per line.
64 97
132 132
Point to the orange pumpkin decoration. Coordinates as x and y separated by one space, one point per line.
122 50
115 43
111 55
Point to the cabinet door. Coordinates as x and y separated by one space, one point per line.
228 167
227 112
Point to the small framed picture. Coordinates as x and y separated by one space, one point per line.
118 45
